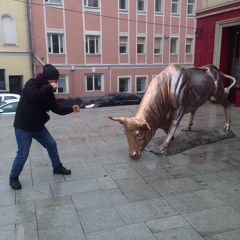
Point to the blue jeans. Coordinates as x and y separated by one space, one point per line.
24 140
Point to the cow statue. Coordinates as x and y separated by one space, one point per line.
171 94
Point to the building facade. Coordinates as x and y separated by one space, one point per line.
15 65
218 38
102 46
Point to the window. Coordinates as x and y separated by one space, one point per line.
123 84
141 83
175 6
94 82
62 85
54 1
8 30
189 42
2 79
140 45
174 46
123 4
141 5
91 3
55 43
158 5
191 7
123 45
92 44
157 45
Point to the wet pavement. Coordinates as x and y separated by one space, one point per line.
193 195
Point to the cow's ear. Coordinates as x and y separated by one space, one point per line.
121 120
145 125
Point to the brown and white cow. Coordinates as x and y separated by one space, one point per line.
171 94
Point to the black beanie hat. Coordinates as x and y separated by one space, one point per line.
50 72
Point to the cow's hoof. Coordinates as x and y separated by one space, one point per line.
226 127
162 148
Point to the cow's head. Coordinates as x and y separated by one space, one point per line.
138 134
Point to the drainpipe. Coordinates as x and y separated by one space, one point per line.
31 38
110 79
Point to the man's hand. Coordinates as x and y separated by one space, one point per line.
54 85
76 108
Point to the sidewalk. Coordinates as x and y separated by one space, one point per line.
193 195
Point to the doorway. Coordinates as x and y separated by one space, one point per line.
15 84
235 56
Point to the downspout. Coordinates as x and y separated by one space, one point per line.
31 38
110 79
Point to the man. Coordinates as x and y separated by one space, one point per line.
36 100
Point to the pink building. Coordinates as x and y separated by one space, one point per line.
103 46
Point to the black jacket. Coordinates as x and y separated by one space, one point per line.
36 99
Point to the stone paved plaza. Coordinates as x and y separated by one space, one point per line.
193 195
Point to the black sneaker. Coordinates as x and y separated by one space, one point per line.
60 169
14 183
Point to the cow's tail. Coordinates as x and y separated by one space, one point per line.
227 89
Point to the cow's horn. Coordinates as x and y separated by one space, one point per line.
121 120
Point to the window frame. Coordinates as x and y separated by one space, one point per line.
66 79
86 4
144 6
160 45
141 77
124 43
189 44
160 5
129 83
140 43
173 3
96 44
93 75
14 37
193 8
125 3
61 43
53 3
177 46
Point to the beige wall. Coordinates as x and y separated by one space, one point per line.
215 3
15 60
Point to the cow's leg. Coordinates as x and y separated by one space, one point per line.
190 122
175 122
226 106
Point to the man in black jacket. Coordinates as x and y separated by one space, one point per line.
36 100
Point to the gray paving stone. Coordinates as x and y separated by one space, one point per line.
80 186
178 160
65 232
7 197
7 232
110 192
107 182
167 223
163 208
183 233
136 189
195 201
130 232
232 235
17 213
100 219
98 199
232 176
56 216
137 212
121 171
215 220
176 186
33 193
80 172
